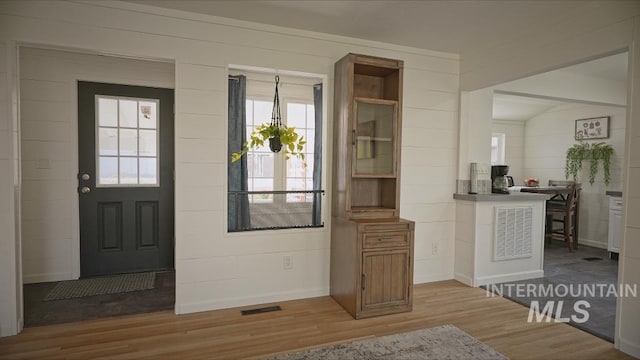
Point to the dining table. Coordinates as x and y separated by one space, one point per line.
557 194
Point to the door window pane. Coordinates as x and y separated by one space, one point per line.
148 171
127 141
108 170
147 115
128 171
128 113
107 112
108 141
148 143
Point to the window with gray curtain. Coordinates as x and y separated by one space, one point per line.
237 176
267 191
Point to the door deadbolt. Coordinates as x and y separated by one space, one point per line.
86 177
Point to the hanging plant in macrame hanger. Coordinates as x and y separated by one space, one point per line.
276 121
278 135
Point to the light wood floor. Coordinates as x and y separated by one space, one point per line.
225 334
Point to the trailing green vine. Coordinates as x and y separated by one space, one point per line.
292 143
573 163
594 153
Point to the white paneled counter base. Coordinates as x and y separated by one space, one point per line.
499 238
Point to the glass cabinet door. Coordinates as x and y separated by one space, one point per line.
374 137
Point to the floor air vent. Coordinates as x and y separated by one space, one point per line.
592 258
261 310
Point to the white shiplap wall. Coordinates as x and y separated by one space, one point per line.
216 269
547 138
48 94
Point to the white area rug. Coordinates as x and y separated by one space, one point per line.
441 343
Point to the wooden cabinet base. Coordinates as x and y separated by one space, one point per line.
372 265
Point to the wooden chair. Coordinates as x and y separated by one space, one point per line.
557 200
564 210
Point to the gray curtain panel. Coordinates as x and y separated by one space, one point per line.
317 155
238 174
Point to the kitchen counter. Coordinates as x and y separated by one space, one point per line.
499 237
501 197
614 193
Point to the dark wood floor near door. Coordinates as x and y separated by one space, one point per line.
38 312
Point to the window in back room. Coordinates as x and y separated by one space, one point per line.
497 149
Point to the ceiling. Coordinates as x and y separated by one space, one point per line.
462 27
521 108
455 26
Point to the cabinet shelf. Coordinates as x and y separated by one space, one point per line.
370 208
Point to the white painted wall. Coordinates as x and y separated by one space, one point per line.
215 269
514 146
547 138
48 107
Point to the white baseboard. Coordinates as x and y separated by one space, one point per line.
7 331
596 244
629 347
463 279
425 278
38 278
495 279
247 301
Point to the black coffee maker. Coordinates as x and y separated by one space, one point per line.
499 182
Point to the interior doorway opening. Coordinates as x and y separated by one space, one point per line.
54 146
541 117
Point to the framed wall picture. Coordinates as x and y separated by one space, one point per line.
592 128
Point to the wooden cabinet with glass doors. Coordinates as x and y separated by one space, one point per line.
371 247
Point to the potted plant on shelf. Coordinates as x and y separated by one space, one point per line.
278 135
594 153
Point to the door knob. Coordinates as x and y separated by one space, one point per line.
85 189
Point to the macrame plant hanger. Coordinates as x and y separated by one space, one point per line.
276 120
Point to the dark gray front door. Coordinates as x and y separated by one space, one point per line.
125 180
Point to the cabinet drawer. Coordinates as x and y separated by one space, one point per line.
403 226
385 239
